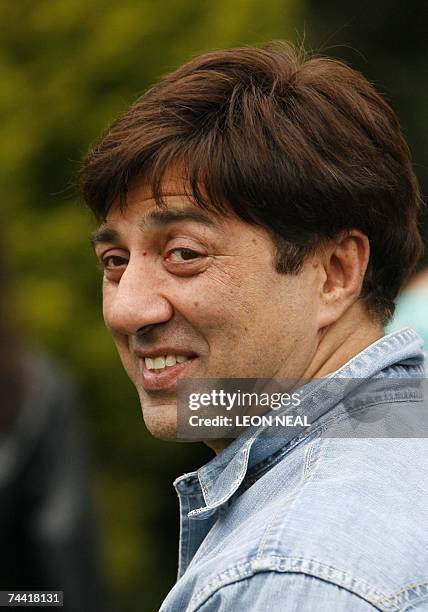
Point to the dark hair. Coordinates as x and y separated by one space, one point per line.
303 147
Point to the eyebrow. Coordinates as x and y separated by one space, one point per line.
153 219
161 218
104 235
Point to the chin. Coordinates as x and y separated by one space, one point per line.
161 420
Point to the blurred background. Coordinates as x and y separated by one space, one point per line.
68 68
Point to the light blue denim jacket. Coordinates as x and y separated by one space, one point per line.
310 522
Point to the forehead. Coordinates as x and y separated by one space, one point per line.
149 215
142 212
175 195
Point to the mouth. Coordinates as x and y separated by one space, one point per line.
161 371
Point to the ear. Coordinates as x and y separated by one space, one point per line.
344 262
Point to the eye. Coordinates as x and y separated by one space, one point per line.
111 262
181 255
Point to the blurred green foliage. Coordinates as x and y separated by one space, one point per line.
387 41
68 68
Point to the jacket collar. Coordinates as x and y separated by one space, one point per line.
401 352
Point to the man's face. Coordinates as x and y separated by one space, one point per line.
191 294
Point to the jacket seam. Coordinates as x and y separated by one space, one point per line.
288 502
345 413
407 589
247 569
417 602
312 456
305 479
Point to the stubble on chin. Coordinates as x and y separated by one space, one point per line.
160 417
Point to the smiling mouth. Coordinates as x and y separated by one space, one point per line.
162 362
162 371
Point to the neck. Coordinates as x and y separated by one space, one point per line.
342 340
337 344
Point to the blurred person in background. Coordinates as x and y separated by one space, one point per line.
258 217
412 307
48 535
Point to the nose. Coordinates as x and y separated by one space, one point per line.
135 303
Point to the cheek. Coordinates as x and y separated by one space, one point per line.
130 368
125 355
221 321
107 297
121 346
210 303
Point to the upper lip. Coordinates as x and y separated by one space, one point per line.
161 351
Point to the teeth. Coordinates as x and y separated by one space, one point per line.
162 362
159 363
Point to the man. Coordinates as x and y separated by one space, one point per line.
258 217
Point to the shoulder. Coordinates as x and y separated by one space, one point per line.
357 517
349 530
279 591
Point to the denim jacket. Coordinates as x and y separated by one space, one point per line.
312 522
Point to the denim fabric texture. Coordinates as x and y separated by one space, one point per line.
311 522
